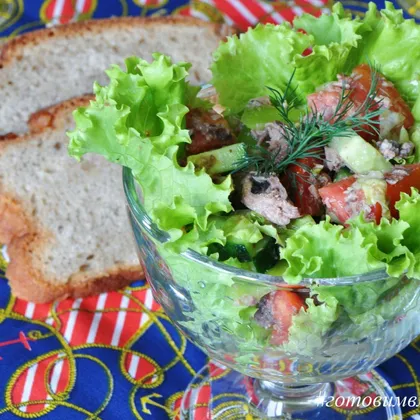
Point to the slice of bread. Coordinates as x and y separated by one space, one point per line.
49 66
64 222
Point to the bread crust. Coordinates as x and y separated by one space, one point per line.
21 235
27 283
52 117
15 48
20 232
13 221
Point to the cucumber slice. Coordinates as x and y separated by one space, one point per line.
359 155
220 160
252 117
239 251
264 254
267 255
261 115
230 250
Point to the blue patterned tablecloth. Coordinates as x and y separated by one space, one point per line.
117 356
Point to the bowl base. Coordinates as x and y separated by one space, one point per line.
218 393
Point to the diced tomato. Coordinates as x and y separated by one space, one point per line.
334 197
394 190
209 131
302 187
386 89
284 306
377 212
326 101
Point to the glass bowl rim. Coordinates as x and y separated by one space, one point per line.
144 220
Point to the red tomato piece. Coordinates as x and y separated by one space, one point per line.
302 187
326 101
335 198
363 75
400 180
284 305
377 213
394 189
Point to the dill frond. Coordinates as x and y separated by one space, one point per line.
308 137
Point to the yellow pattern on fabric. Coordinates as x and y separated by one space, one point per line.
159 370
43 11
88 15
44 402
124 6
148 400
154 317
10 12
14 378
170 403
208 10
110 382
4 313
59 398
157 376
3 262
416 384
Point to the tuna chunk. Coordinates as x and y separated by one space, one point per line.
333 159
391 149
267 196
273 137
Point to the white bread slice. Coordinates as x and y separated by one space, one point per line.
65 223
49 66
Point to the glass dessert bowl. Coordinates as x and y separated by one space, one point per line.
272 359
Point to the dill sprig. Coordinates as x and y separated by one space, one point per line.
308 137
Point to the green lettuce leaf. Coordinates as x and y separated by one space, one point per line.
327 250
198 239
223 307
415 138
239 228
335 28
384 242
321 66
393 44
308 329
267 55
137 121
416 110
409 210
358 298
247 227
244 66
336 36
399 300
